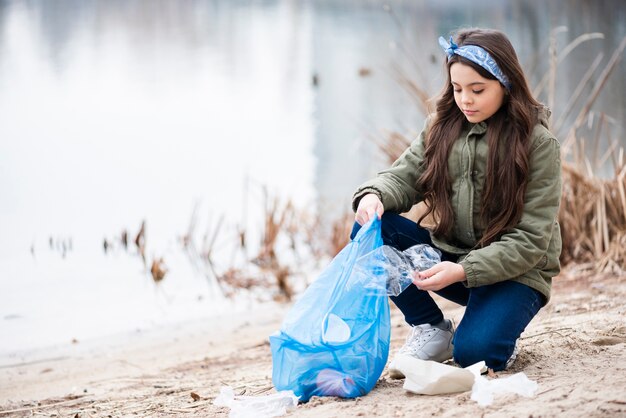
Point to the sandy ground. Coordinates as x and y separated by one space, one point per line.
574 349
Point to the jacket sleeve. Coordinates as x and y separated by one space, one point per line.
396 186
521 249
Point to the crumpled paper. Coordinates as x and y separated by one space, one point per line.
267 406
484 389
432 378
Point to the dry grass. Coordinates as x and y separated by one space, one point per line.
593 218
277 219
593 209
340 233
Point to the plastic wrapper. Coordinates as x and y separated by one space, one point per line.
396 266
266 406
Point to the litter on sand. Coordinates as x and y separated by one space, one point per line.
432 378
266 406
484 389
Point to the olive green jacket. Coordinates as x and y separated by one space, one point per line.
528 253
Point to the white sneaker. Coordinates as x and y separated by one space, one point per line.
426 342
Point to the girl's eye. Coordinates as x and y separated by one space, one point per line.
477 91
457 90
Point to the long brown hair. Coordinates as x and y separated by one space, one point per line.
508 136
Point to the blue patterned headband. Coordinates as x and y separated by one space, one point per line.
477 55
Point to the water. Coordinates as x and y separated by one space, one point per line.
115 112
118 112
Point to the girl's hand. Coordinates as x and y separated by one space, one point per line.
439 276
369 206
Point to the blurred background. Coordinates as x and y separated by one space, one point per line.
218 124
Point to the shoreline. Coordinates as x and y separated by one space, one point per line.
574 350
70 369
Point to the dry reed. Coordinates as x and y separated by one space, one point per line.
276 220
158 270
287 235
593 218
340 233
202 259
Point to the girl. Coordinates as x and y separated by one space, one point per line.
488 171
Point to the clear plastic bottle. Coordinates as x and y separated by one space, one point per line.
398 266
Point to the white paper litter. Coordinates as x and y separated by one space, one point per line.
484 389
432 378
267 406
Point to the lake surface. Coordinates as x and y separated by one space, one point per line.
116 112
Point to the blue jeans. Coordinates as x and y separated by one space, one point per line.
495 315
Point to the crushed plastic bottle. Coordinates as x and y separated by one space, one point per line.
398 266
274 405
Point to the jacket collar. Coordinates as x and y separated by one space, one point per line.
478 128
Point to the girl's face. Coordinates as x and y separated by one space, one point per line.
478 98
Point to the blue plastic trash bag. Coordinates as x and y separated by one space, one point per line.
335 339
